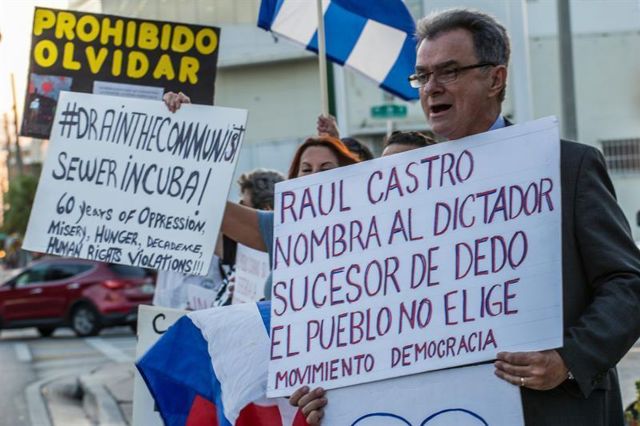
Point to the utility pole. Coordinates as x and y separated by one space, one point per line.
567 89
5 121
5 183
17 128
520 78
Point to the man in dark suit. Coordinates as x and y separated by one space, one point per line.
461 72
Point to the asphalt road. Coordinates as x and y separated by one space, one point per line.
16 376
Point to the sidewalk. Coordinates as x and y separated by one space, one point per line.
107 394
103 397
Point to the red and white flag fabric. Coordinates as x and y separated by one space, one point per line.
210 368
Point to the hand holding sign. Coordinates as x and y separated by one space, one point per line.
311 403
534 370
173 101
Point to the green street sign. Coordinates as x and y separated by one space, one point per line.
388 111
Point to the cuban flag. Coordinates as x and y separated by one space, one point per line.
210 368
373 37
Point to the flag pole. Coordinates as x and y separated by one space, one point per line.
322 56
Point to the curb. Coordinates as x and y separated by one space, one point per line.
36 402
98 403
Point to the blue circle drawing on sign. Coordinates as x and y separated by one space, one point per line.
362 421
459 413
444 417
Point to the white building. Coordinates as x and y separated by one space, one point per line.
278 82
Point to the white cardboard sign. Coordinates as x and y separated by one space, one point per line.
252 270
126 181
127 90
200 298
463 396
419 261
153 322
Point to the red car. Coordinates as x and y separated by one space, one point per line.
82 294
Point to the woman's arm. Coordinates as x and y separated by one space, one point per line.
240 223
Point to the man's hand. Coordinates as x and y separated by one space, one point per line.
174 101
534 370
311 403
327 125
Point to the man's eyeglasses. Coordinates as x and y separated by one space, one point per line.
443 76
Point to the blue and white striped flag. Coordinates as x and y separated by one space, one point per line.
374 37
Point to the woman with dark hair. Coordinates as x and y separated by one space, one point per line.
248 225
320 153
254 228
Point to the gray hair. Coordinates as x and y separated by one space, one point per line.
261 185
490 38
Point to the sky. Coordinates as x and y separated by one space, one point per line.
16 17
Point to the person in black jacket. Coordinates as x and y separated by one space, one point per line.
461 72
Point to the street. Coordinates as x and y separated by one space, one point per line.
39 375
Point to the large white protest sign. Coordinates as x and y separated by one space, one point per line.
126 181
153 322
252 270
464 396
423 260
